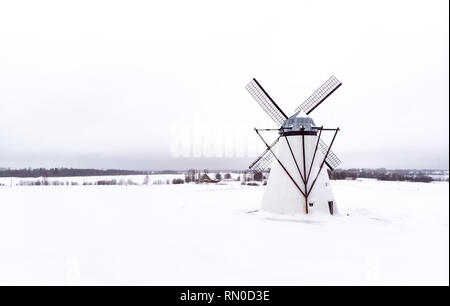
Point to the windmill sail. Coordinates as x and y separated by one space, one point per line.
332 161
319 95
265 159
266 102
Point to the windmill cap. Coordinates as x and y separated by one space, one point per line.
297 123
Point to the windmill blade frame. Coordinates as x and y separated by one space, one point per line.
332 161
320 95
265 159
266 102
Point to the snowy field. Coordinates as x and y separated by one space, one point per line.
395 233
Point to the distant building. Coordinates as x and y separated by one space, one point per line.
206 179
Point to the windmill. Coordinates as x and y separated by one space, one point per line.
298 181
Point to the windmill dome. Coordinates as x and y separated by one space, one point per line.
297 122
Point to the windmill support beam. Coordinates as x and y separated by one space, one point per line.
281 128
281 164
320 128
295 160
314 155
323 162
304 171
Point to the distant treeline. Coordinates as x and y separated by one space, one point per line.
64 172
382 174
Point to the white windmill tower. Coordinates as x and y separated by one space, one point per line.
298 181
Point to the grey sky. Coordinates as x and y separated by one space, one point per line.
120 84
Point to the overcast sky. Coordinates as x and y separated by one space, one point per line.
146 85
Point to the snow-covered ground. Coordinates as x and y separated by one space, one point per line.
395 233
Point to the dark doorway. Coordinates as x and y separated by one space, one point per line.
330 207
